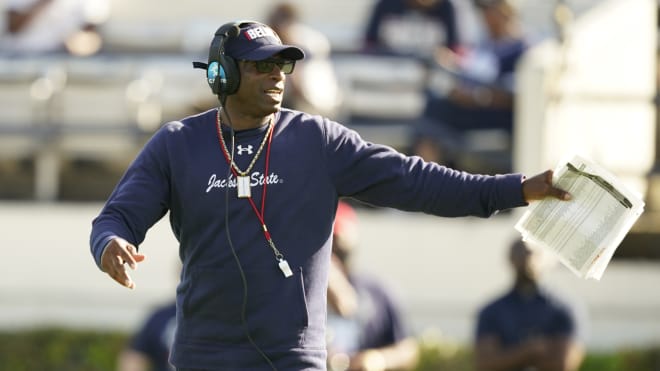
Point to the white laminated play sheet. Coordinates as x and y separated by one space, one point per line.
584 232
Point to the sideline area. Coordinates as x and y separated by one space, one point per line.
440 268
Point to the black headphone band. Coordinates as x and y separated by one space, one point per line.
224 33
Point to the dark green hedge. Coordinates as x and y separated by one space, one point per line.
59 350
69 350
437 355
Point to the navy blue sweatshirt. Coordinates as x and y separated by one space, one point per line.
312 162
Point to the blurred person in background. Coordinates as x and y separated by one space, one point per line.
53 26
529 328
149 348
314 87
473 89
415 28
366 329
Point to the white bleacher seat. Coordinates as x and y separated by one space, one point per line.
95 114
181 89
23 99
383 95
27 86
381 86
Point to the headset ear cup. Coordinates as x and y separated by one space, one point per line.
232 77
222 74
213 76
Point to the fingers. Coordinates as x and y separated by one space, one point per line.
554 191
128 255
540 186
116 255
560 194
120 275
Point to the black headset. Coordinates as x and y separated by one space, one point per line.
222 72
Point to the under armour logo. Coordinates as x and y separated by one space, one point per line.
248 149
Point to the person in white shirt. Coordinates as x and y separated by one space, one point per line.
53 26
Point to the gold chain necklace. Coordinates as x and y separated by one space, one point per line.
243 177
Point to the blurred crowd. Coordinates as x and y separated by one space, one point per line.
464 85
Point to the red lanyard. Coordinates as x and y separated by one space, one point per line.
260 214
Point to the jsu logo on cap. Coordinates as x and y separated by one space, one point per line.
258 32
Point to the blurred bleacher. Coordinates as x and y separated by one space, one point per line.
62 113
70 125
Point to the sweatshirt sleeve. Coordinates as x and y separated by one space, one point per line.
138 201
381 176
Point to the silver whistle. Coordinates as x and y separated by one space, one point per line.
284 267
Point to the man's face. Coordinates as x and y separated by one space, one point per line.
499 18
526 262
259 93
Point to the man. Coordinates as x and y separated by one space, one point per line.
255 236
366 329
528 328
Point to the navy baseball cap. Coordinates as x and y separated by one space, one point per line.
257 41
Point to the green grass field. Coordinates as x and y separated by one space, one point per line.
68 350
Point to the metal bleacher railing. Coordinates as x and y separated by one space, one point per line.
104 107
104 112
101 107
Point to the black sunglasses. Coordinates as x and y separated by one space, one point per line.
267 65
